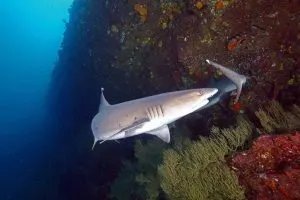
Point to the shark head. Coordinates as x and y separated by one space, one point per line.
196 99
188 101
101 130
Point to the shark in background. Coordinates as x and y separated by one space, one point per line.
238 79
151 115
225 87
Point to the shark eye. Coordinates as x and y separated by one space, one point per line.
200 93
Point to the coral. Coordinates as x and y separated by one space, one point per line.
271 168
125 187
140 179
169 10
234 43
199 171
274 118
235 137
219 5
149 156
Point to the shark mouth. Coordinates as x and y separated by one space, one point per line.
209 92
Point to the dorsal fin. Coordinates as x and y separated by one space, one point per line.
103 102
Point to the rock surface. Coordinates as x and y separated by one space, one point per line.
271 168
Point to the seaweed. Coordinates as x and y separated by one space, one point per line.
125 187
274 118
139 179
199 170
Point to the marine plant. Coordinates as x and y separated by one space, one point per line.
274 118
139 179
199 170
149 156
125 187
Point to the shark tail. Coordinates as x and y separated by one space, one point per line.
235 77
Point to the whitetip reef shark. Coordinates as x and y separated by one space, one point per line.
237 79
151 115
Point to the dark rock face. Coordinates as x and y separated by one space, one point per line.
74 95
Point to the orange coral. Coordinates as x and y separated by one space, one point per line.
219 5
237 106
234 43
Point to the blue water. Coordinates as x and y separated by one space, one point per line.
30 36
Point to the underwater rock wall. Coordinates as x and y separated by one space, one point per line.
140 47
74 95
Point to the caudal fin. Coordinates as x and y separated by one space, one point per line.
235 77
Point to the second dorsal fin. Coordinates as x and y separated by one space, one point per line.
103 101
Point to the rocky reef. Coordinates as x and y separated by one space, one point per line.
239 162
138 48
271 168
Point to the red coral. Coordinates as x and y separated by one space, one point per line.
271 168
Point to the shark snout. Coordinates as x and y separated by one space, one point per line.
206 93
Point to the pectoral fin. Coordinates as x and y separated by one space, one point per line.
110 137
162 132
129 129
136 125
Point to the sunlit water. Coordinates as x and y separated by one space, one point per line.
31 33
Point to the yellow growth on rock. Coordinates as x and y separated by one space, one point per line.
199 5
142 10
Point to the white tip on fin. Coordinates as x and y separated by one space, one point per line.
95 142
103 101
162 132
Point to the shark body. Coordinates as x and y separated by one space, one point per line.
147 115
